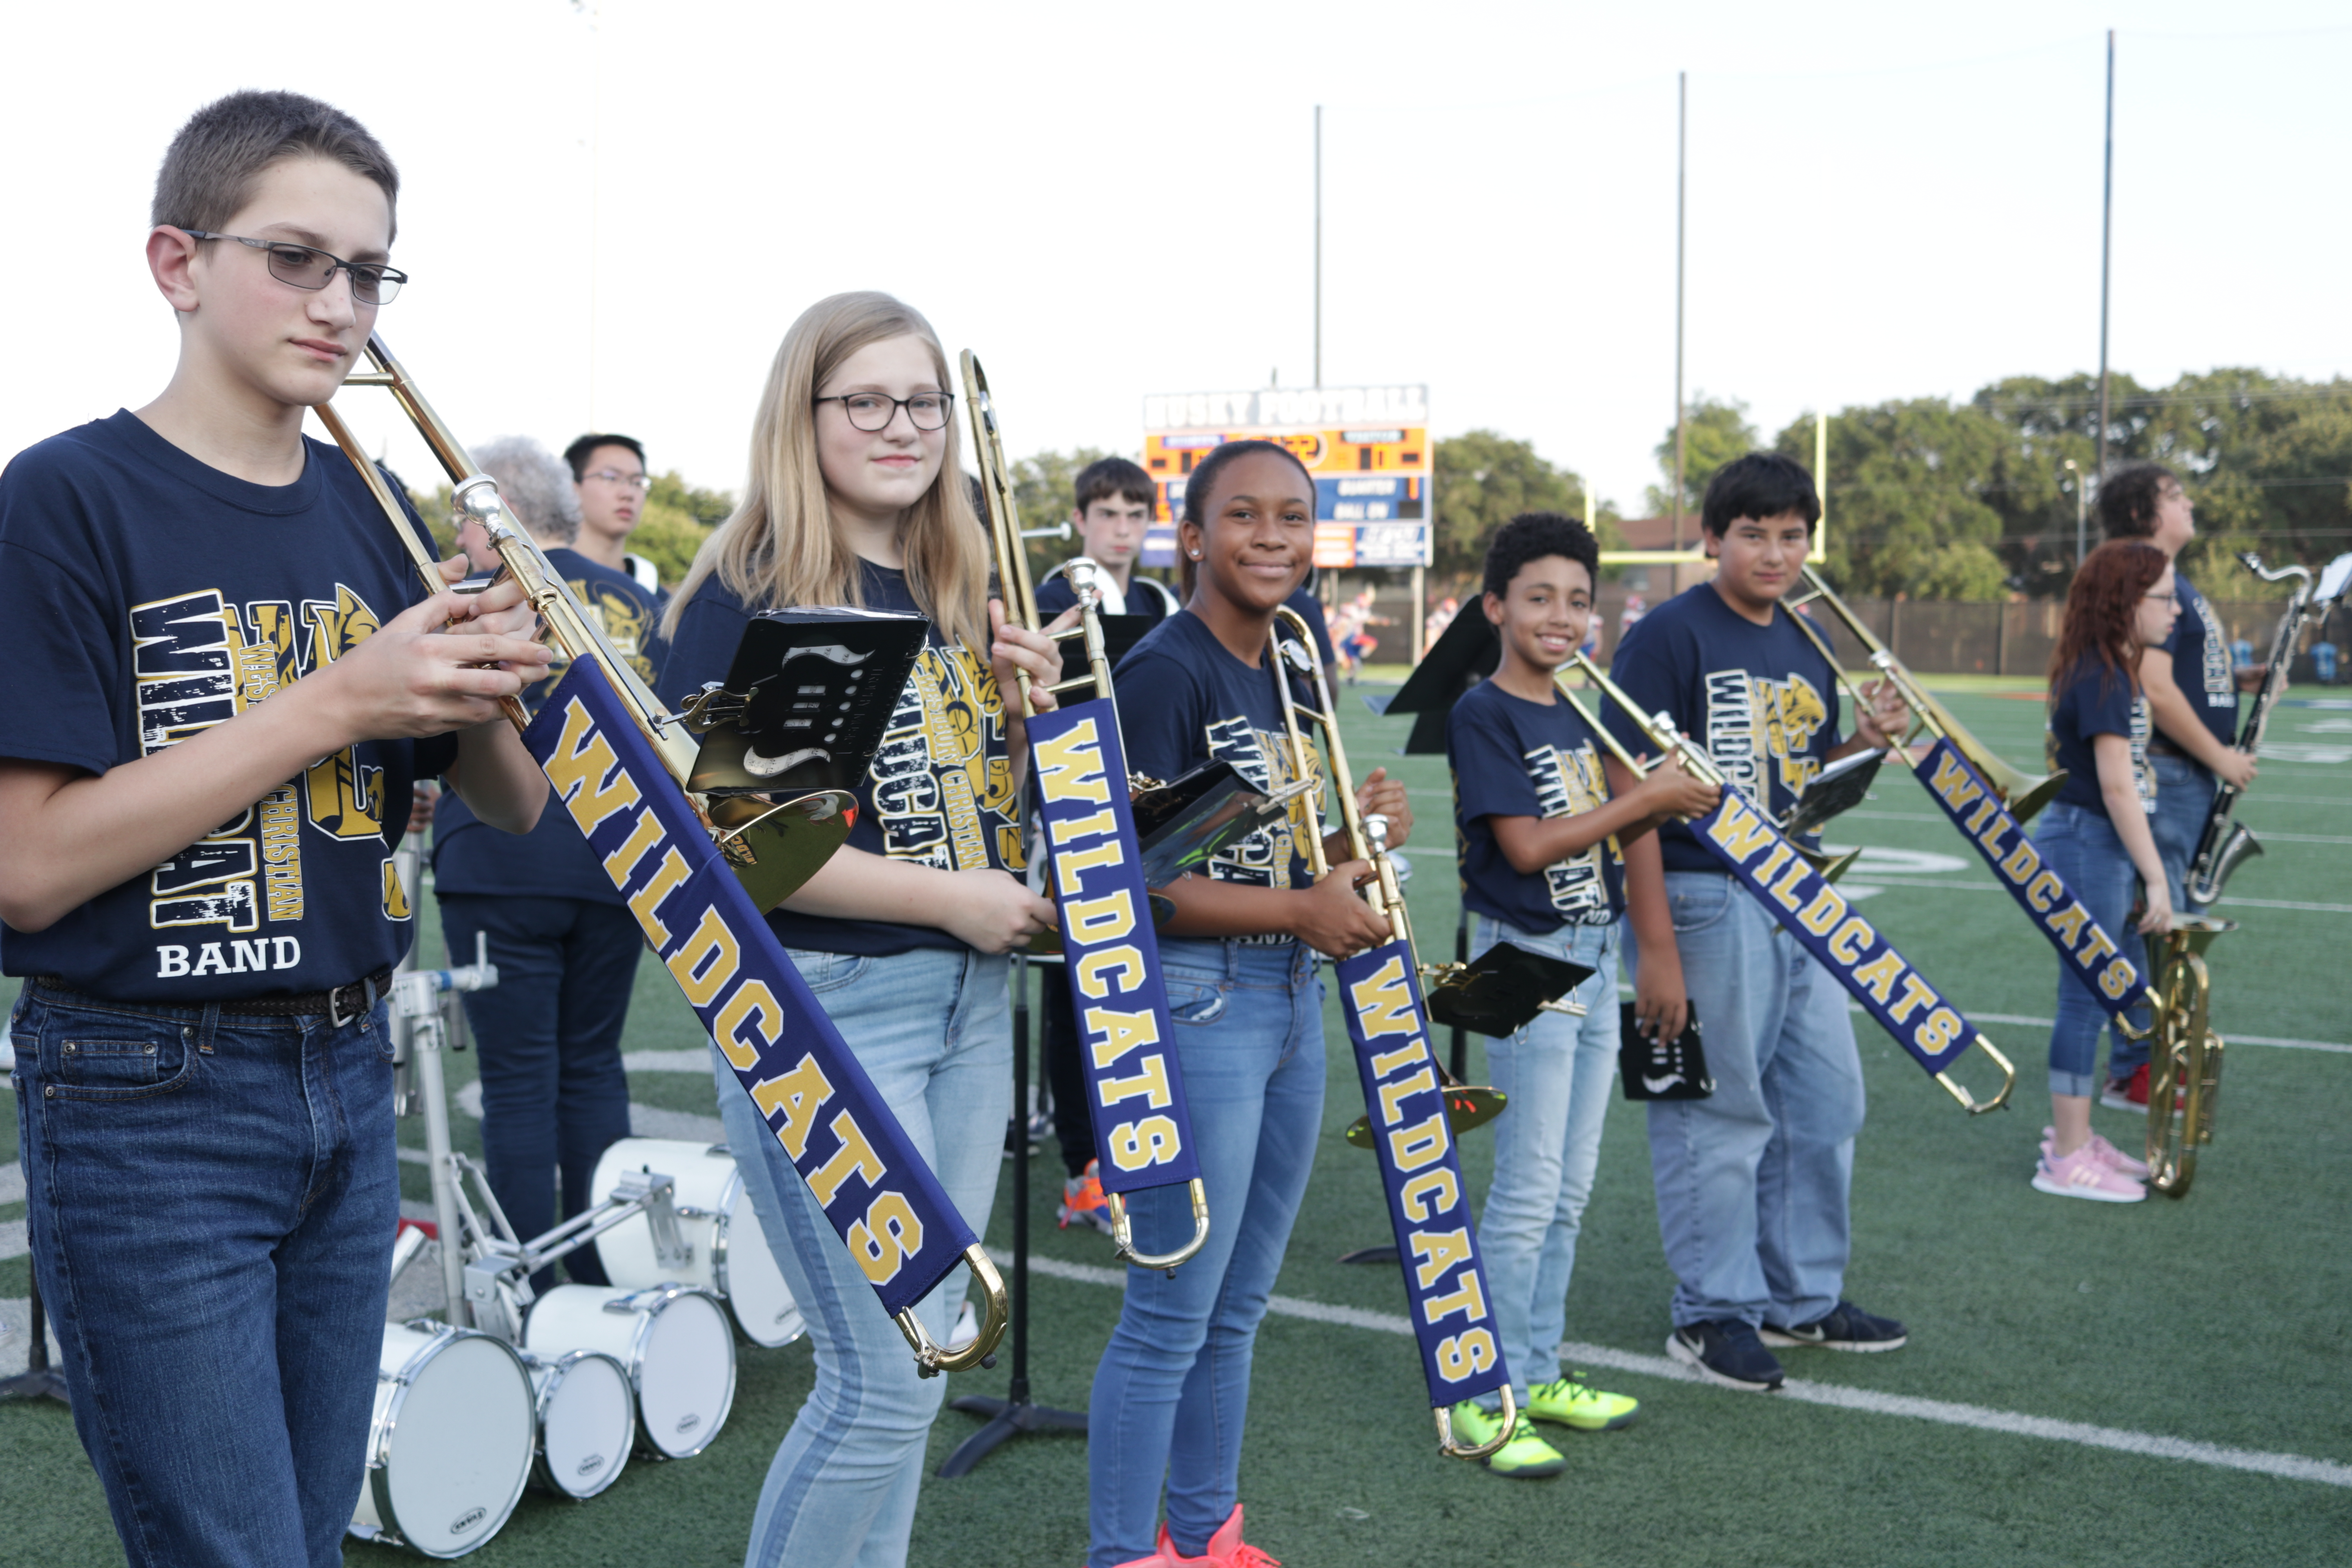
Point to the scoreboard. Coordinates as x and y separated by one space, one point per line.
1367 448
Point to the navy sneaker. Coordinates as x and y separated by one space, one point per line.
1725 1351
1846 1327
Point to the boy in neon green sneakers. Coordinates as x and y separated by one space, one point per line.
1539 837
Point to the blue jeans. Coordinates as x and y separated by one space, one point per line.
1171 1395
933 1028
1556 1074
549 1036
1752 1182
2184 794
2082 846
211 1202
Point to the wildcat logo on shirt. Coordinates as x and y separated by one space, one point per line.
1263 860
2220 681
198 660
627 621
1753 725
1568 784
943 785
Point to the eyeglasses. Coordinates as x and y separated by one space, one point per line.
872 411
639 482
308 266
2167 598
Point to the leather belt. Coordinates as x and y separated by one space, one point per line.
2161 746
341 1004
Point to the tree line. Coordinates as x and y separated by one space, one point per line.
1927 498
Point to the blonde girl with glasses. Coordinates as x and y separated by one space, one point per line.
857 497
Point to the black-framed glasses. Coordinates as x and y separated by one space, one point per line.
308 266
873 411
639 482
2166 598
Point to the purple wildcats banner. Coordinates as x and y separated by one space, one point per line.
1453 1311
1848 946
1135 1090
2086 950
815 1097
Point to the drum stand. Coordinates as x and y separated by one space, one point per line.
1457 1062
38 1379
1011 1416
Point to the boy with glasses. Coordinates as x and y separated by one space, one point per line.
224 692
1752 1182
610 482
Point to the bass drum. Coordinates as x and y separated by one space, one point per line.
731 1257
450 1448
672 1340
587 1418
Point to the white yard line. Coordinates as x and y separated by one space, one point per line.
2230 1037
2288 1467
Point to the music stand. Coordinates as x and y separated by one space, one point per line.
1015 1414
39 1378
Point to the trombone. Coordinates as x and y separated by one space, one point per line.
772 846
2184 1077
2023 794
1366 839
1006 539
1663 734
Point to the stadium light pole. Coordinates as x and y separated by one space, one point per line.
1682 142
2082 511
1319 244
2106 254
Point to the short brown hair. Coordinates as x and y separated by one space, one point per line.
1110 477
2128 500
209 170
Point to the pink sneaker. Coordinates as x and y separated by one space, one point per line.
2109 1155
2083 1174
1227 1549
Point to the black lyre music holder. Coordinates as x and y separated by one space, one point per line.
1014 1413
805 701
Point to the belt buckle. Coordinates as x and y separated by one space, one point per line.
335 1018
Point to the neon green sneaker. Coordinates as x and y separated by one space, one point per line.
1526 1455
1571 1403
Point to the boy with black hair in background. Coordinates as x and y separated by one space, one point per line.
1753 1181
1540 839
225 692
609 479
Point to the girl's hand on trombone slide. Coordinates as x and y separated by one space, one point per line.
1886 720
1668 791
1329 918
1017 650
1381 796
992 912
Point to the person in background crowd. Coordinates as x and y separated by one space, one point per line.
609 479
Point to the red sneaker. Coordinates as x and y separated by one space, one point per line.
1227 1549
2127 1094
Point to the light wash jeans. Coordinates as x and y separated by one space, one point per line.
2080 843
933 1028
1752 1182
2184 794
211 1202
1171 1395
1556 1075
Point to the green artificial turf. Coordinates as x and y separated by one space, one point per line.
2219 1319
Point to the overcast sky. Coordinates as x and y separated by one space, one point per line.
611 215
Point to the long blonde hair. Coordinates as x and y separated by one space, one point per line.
781 547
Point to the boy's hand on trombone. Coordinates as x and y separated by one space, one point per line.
1886 720
1381 796
1668 791
1331 919
414 677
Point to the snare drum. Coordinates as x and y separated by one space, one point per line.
729 1257
672 1340
586 1418
450 1446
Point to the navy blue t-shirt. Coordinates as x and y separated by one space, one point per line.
150 596
1145 598
1183 700
2201 664
1512 757
2096 701
551 861
1760 700
939 792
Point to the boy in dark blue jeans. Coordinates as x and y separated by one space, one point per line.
1539 837
1752 1182
223 693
